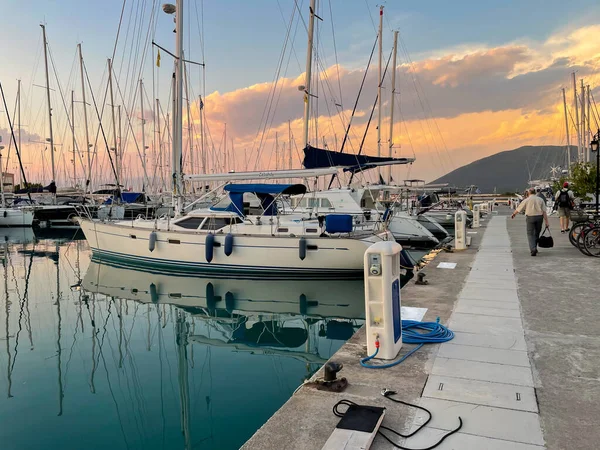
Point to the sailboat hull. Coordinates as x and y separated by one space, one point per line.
14 217
262 256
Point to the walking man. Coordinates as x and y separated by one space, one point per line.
564 202
535 213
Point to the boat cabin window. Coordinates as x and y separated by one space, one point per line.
325 203
216 223
191 223
308 202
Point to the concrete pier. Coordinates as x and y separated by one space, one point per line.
522 370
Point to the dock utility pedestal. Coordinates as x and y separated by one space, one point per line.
382 299
476 216
460 230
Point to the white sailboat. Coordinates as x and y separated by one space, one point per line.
229 241
12 217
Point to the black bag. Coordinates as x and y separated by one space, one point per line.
546 241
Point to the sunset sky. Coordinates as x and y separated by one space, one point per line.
473 78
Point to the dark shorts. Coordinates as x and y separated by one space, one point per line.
564 212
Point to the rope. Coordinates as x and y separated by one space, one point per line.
433 333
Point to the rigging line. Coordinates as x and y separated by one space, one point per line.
595 110
362 84
12 133
118 29
411 73
300 14
337 64
69 119
272 93
371 115
293 48
101 129
416 81
10 141
370 15
128 117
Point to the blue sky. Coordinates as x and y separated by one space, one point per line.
243 38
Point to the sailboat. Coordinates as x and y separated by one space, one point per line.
11 217
62 210
228 241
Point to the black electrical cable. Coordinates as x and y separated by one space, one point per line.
387 394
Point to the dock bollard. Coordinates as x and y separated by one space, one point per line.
460 230
476 216
382 299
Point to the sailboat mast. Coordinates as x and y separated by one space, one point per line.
143 132
178 110
19 119
567 131
49 107
159 157
379 87
85 119
589 129
584 150
576 101
73 132
391 141
114 124
202 154
309 50
2 180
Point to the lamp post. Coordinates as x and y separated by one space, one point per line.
594 147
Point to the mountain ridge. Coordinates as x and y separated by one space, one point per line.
509 170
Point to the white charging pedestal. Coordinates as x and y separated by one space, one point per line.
382 299
476 216
460 230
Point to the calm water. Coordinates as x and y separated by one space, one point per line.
94 356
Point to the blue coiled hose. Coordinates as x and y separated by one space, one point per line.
433 333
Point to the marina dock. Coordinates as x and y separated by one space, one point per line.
522 370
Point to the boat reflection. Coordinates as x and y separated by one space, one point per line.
273 317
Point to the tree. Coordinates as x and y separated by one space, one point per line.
582 181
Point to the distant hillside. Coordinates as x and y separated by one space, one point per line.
510 170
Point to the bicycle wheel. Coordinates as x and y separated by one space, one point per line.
591 242
574 232
583 235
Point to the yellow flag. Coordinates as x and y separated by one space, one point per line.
158 59
305 98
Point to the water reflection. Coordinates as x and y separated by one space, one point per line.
159 361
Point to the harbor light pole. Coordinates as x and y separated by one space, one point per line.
594 147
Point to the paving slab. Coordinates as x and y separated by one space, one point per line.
484 354
482 371
462 441
464 307
521 398
495 284
506 341
517 426
484 324
498 295
465 302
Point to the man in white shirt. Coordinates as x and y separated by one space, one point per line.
535 213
